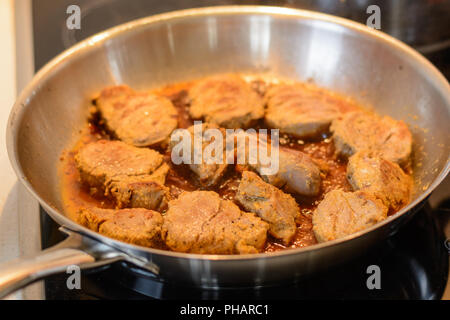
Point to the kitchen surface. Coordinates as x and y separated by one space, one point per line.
35 31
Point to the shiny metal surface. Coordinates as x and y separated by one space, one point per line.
422 24
76 250
335 53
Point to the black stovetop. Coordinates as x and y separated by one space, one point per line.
413 265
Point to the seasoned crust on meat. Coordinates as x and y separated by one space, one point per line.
144 191
137 118
102 160
202 222
382 178
225 100
297 172
342 213
221 208
271 204
134 177
302 110
208 172
357 131
136 226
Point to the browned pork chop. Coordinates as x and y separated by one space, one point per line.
271 204
357 131
136 226
202 222
134 177
137 118
342 213
210 170
225 100
297 172
302 110
382 178
144 191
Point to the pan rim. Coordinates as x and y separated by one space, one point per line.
100 38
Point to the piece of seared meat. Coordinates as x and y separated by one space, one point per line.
202 222
225 100
357 131
137 226
297 172
133 176
138 118
301 110
342 213
271 204
144 191
382 178
208 171
100 161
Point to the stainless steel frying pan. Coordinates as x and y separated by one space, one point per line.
335 53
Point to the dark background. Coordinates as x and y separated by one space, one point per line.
423 24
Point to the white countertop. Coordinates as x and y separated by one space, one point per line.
8 88
17 207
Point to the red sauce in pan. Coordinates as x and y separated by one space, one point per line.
180 178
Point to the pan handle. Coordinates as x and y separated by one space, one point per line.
76 249
22 272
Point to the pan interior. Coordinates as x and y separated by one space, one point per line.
370 69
